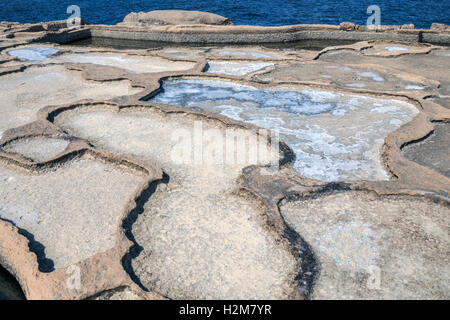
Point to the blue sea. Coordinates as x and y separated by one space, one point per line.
242 12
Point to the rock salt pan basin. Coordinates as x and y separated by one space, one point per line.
200 240
66 210
34 54
318 125
23 93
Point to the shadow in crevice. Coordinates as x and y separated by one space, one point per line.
128 223
45 265
412 142
309 267
107 294
9 287
431 151
309 264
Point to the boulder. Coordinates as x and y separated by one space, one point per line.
173 17
348 26
407 27
439 27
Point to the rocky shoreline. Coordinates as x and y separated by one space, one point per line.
177 26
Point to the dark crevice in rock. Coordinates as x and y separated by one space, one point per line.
9 287
127 225
309 266
417 140
108 294
323 190
309 269
287 155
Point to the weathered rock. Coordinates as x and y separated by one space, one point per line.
71 229
371 77
38 27
432 152
371 247
38 149
9 287
9 24
37 87
217 231
123 293
211 245
348 26
60 24
407 26
137 64
165 17
439 27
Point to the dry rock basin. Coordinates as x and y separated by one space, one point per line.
366 254
179 156
432 151
24 93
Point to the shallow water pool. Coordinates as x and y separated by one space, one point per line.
335 136
33 53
